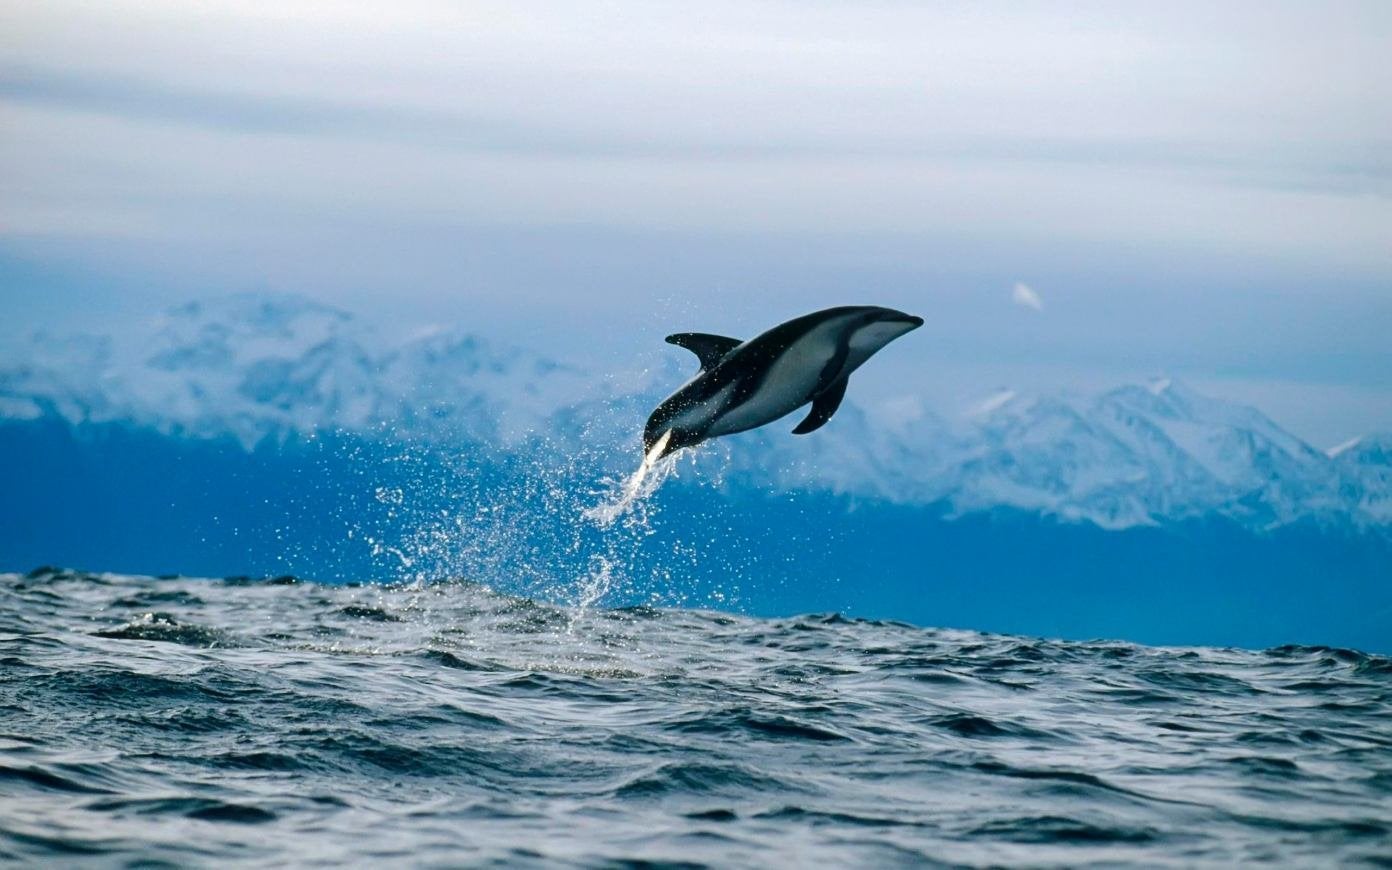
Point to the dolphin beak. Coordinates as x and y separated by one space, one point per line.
892 315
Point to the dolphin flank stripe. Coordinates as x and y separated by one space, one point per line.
803 370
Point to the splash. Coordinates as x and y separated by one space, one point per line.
590 590
547 523
654 469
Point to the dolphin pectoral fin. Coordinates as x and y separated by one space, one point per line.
823 407
709 349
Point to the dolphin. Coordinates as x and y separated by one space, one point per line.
746 384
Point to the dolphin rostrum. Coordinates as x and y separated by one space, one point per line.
745 384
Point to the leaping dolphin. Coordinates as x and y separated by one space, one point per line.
745 384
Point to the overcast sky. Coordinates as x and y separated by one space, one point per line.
1071 200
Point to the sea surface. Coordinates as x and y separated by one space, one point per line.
160 722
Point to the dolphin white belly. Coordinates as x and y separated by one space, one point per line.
704 413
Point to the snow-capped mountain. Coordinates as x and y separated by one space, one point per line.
265 368
259 368
1136 455
1366 463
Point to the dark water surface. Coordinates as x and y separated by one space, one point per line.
181 722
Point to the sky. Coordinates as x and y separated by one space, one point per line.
1073 196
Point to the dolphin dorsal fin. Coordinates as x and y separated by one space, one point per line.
823 406
709 349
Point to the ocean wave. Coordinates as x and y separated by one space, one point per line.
150 721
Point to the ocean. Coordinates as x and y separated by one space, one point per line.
150 722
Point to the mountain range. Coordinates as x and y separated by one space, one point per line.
264 369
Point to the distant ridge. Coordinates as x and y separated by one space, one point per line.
262 369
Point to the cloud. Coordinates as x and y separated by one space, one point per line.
547 167
992 403
1024 295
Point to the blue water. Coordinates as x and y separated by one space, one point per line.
148 722
321 509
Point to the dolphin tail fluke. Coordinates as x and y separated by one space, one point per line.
823 406
709 349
